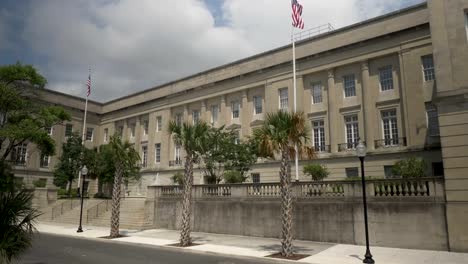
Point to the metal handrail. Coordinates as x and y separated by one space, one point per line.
58 210
315 31
94 212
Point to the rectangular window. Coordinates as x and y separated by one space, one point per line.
349 85
178 119
318 135
438 169
428 67
132 130
316 93
258 107
144 156
195 116
255 177
89 133
177 155
235 109
157 152
352 172
49 130
432 120
19 154
45 160
390 127
145 127
106 134
159 124
352 131
68 130
386 78
283 99
120 130
214 113
388 170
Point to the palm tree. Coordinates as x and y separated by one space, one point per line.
16 217
280 133
193 139
126 160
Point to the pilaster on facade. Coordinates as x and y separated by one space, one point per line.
332 112
367 106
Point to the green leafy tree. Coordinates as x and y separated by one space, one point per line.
126 160
224 153
23 116
193 139
178 178
105 168
316 171
410 168
23 119
70 162
234 177
281 133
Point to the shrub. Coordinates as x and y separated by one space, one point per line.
318 172
410 168
234 177
63 193
40 183
178 178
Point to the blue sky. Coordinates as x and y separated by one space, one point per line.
135 45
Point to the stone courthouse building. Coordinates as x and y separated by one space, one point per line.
399 82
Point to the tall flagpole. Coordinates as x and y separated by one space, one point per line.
83 135
295 98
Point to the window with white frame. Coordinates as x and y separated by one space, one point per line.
178 119
132 130
235 109
386 78
195 116
214 113
68 130
258 107
177 154
318 130
144 155
45 161
352 131
390 127
157 152
283 99
106 134
49 130
89 133
159 124
349 85
428 67
432 120
19 154
145 127
316 93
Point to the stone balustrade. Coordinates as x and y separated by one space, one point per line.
381 188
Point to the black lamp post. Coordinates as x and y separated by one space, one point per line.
361 153
84 171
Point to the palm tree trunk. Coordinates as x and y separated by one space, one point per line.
286 206
115 216
185 239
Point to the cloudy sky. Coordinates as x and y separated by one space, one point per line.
132 45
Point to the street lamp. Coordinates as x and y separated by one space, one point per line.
84 171
361 153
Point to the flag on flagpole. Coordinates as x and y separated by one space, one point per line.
88 85
296 14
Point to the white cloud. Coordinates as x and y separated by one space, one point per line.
134 45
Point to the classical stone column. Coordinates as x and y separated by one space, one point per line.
246 114
332 113
203 112
300 92
367 107
222 117
186 113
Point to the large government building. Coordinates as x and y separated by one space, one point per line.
399 82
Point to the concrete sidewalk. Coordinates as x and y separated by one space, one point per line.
321 253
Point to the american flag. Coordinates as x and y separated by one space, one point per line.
296 14
88 84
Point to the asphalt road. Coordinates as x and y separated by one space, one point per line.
50 249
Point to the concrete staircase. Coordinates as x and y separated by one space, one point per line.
132 214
